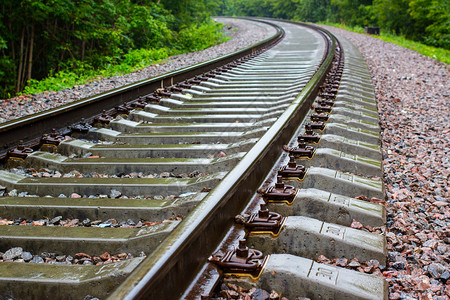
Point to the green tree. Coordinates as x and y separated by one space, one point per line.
393 16
427 21
352 13
39 38
431 21
314 10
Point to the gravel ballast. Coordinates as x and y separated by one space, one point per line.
244 33
413 103
412 92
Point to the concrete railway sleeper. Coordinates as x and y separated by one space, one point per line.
131 203
312 210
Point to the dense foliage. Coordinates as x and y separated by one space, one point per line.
427 21
72 39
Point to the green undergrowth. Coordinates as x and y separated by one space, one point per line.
439 54
190 39
84 73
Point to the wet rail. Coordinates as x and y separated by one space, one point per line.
272 149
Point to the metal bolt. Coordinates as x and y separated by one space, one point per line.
292 163
263 211
20 146
301 143
242 250
279 184
308 128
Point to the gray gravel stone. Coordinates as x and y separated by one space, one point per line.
260 294
13 253
55 220
13 193
37 260
61 258
26 256
445 275
354 264
434 271
115 194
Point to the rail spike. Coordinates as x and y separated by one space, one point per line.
21 152
261 221
292 169
240 260
302 150
280 191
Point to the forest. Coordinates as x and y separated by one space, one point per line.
79 39
426 21
66 38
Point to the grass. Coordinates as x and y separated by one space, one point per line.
204 36
439 54
132 61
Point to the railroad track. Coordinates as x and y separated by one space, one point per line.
157 187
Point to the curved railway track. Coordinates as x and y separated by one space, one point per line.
160 180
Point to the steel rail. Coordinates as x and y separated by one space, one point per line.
166 272
30 128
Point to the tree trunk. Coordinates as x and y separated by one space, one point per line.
60 60
30 57
19 71
83 46
25 59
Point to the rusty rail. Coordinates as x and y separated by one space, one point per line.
30 128
167 272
